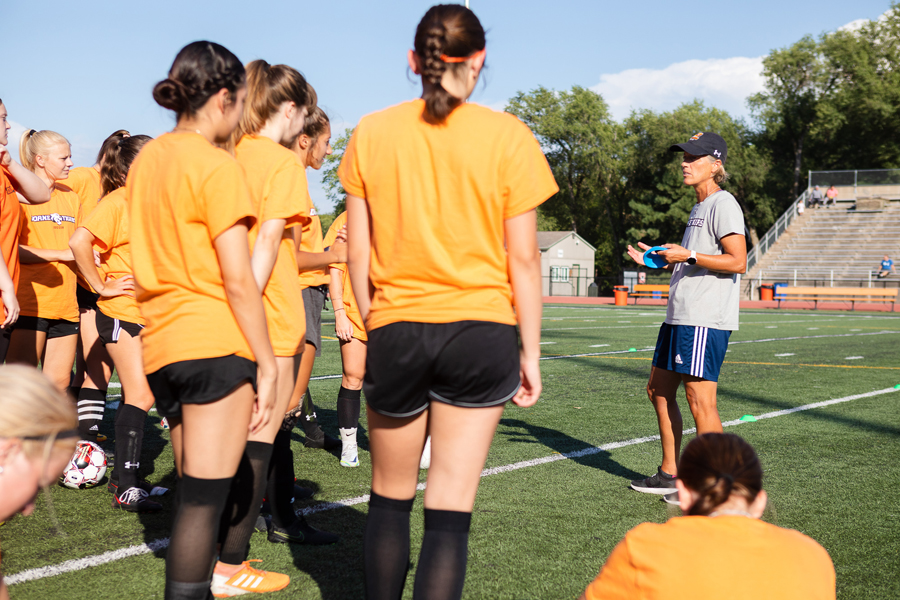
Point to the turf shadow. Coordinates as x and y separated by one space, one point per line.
337 570
520 431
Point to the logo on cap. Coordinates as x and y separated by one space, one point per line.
696 137
717 153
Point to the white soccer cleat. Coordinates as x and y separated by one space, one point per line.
349 450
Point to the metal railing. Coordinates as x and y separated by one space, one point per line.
856 178
819 278
780 226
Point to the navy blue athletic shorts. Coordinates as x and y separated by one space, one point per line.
697 351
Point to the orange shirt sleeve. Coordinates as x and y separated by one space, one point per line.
349 170
282 201
103 223
227 199
617 579
527 178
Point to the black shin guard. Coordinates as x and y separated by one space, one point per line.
386 547
129 442
91 403
244 500
348 408
192 546
441 571
280 487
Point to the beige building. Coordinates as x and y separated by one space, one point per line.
567 263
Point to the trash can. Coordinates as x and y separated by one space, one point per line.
779 295
621 293
593 290
766 291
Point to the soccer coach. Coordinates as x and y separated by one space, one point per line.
703 305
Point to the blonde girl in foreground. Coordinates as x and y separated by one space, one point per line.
37 436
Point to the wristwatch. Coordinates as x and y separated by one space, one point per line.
693 259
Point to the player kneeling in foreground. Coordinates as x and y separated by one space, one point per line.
703 305
38 431
720 548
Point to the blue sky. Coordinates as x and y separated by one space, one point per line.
87 68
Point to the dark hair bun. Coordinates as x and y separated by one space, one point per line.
170 94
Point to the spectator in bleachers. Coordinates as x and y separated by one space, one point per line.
801 206
831 196
887 267
817 198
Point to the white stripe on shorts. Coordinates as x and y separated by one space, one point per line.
698 358
116 330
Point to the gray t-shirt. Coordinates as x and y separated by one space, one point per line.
698 296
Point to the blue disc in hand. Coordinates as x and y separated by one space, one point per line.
654 260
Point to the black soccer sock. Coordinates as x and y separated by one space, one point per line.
386 547
244 500
91 403
441 571
348 408
280 486
308 415
179 590
192 545
129 442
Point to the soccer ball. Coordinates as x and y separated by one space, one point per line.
87 467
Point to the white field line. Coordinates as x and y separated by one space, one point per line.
158 544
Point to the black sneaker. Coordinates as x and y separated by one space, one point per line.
136 500
661 483
152 490
262 523
300 532
319 440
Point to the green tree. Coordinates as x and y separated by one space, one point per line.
334 191
579 139
799 80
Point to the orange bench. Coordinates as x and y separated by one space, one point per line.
649 291
838 294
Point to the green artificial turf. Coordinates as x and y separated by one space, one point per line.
543 531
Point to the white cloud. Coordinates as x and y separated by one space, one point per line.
722 83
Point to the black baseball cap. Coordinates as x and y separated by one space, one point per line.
705 143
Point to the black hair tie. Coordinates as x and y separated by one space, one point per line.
727 477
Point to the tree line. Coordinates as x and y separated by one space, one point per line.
828 103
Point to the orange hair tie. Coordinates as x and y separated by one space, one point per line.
459 59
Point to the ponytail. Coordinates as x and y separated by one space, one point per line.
117 161
113 139
446 37
268 87
717 465
200 70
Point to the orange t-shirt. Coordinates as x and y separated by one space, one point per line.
311 239
350 307
9 225
183 192
273 178
85 181
727 556
438 197
108 223
47 290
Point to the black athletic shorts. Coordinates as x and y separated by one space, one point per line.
54 328
200 381
313 303
110 328
466 363
87 300
4 343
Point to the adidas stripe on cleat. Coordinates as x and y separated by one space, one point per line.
248 581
